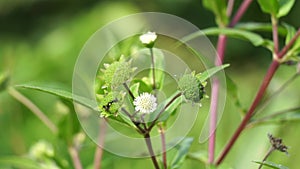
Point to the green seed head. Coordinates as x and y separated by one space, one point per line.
191 87
117 73
109 104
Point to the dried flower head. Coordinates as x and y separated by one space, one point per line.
148 39
277 144
191 87
145 103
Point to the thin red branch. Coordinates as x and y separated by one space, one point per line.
244 6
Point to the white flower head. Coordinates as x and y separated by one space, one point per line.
145 103
148 39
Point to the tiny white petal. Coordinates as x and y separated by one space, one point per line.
148 37
145 103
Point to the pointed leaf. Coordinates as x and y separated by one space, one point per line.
271 165
19 162
210 72
269 6
218 7
284 7
183 149
254 38
58 90
4 79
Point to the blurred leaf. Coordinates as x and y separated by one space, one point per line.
58 90
69 124
284 7
4 79
271 165
201 156
19 162
218 7
135 89
143 87
171 109
210 72
232 89
269 6
291 31
183 149
254 38
159 62
256 26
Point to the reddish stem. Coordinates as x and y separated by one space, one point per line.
99 150
275 34
271 71
163 143
244 6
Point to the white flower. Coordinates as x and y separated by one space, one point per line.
148 39
145 103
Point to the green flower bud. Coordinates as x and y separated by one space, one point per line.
109 104
191 87
117 73
41 150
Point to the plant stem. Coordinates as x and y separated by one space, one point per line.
33 108
266 156
215 84
249 125
150 149
75 157
153 68
242 9
163 143
275 34
129 91
141 130
277 92
166 106
271 71
99 149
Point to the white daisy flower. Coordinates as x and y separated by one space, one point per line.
145 103
148 39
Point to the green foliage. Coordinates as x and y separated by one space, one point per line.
19 162
271 165
183 149
218 7
4 79
277 8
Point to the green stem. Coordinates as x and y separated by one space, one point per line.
153 68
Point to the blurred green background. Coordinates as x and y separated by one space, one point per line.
41 39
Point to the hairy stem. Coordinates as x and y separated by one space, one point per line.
33 108
150 149
99 149
163 143
266 156
73 151
153 68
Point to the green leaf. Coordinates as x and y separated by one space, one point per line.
58 90
159 62
254 38
257 26
284 7
171 109
135 89
19 162
271 165
183 149
4 79
218 7
201 156
269 6
233 92
210 72
291 31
